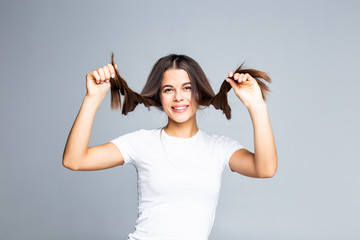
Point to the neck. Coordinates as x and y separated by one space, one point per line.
181 130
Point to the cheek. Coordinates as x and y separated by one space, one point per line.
164 99
192 101
161 97
194 107
188 96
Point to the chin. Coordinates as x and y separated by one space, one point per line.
180 118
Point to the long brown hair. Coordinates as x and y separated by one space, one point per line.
200 86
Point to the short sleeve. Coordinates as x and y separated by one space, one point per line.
127 144
228 147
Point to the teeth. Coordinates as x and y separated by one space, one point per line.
179 108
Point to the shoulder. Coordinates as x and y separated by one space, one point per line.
221 142
144 132
215 138
139 135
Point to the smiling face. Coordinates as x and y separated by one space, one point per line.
175 96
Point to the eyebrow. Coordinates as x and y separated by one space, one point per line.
173 86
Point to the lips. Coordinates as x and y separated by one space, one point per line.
179 108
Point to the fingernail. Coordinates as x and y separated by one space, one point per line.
113 75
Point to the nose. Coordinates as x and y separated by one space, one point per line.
178 96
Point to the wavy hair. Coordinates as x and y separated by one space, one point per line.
200 86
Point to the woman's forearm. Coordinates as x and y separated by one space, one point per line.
264 143
78 140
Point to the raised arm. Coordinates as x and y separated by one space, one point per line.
77 155
262 163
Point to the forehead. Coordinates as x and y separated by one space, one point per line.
175 77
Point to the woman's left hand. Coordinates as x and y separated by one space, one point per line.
246 89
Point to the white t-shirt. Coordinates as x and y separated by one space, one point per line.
179 182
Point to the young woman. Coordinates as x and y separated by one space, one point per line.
179 166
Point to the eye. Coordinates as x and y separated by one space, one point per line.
187 88
167 90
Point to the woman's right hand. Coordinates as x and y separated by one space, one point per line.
98 81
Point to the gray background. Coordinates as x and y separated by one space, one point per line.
309 48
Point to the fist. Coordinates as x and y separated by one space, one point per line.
98 81
246 88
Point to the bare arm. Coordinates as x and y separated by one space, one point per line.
77 155
264 143
262 163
